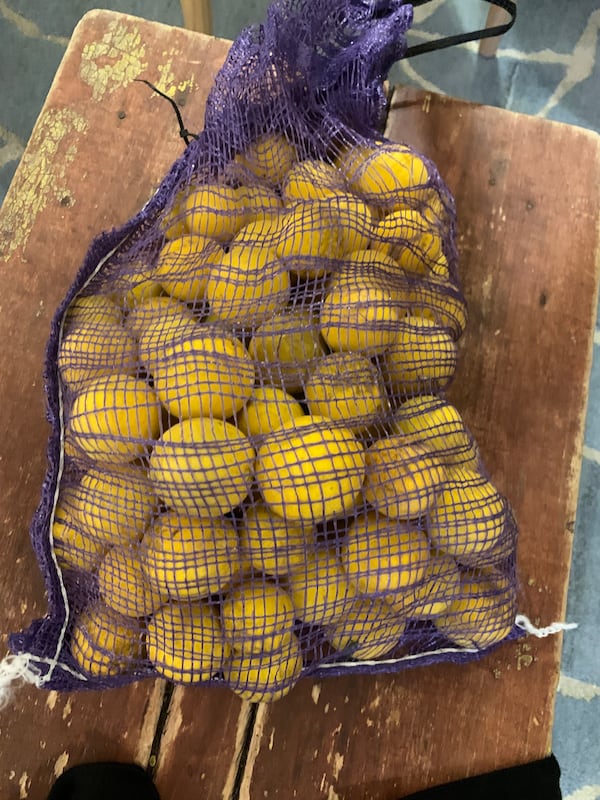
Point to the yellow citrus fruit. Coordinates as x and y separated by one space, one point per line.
123 585
422 358
73 547
286 348
437 425
382 555
172 222
482 615
267 409
431 597
369 629
428 249
203 376
397 229
371 264
215 211
260 233
257 617
435 300
104 643
402 480
500 552
95 310
469 515
410 238
154 313
115 419
424 259
116 505
185 642
310 239
310 469
136 285
262 204
355 220
183 264
186 558
272 544
264 677
319 589
270 157
202 466
88 353
437 210
164 331
247 285
346 151
359 313
381 173
311 180
70 449
346 387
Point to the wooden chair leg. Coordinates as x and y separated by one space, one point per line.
197 15
496 16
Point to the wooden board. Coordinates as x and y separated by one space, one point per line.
528 251
528 210
100 146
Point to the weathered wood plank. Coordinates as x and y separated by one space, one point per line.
100 147
528 210
201 744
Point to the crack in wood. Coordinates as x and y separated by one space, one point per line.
159 730
244 751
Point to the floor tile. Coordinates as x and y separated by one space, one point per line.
581 647
576 744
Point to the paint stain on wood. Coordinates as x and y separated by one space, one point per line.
168 83
67 709
60 764
113 62
24 785
41 176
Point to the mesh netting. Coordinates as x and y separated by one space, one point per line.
254 472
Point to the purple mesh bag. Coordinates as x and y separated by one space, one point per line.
254 473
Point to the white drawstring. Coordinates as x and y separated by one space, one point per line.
14 672
526 625
17 670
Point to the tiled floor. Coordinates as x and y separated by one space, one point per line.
548 66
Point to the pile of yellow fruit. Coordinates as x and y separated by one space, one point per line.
256 446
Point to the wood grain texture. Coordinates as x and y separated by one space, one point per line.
100 147
527 195
528 211
201 744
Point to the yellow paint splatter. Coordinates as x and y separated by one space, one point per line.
41 175
113 62
168 83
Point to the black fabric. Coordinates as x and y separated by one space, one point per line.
539 780
104 781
